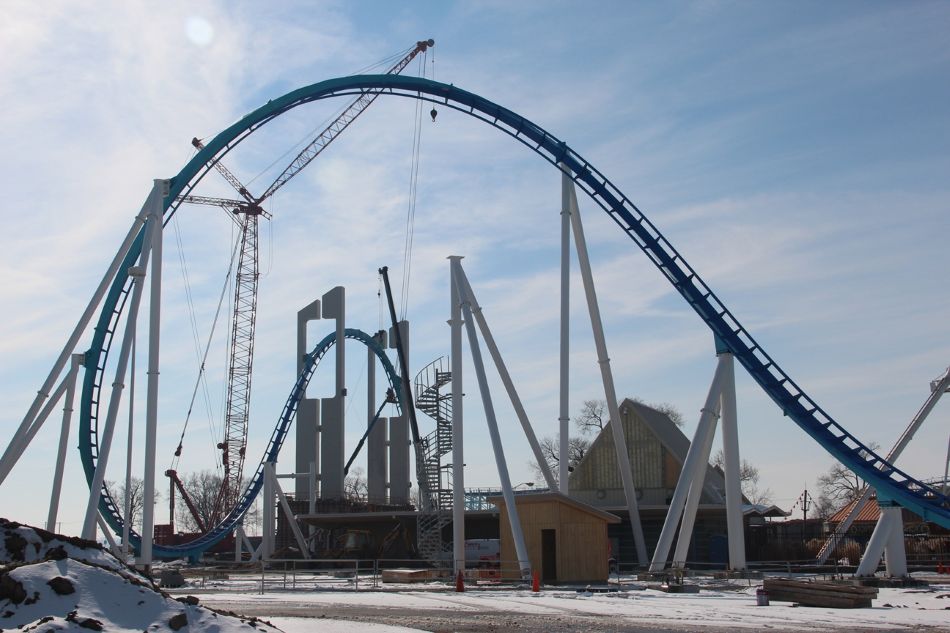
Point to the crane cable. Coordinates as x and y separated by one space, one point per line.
204 357
413 193
183 264
308 137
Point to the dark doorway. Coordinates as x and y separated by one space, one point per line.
549 556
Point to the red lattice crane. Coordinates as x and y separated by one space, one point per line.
246 213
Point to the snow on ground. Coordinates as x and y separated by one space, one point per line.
719 605
26 544
53 583
307 625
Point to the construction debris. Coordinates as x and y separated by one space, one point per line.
820 594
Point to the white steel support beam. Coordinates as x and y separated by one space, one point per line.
895 556
77 360
691 466
137 274
564 403
610 393
458 436
151 397
129 450
291 519
521 551
704 444
10 457
730 453
108 534
937 388
468 295
44 414
887 540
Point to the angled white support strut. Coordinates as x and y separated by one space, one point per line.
694 469
12 453
151 396
938 387
610 393
468 294
515 523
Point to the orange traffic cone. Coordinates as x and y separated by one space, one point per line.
535 582
459 582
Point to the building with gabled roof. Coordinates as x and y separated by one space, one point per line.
657 449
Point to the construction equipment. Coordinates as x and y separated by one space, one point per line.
428 535
246 214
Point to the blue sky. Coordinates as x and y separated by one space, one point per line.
795 153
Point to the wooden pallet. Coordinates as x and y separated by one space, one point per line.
820 594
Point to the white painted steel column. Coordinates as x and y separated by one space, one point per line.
137 274
151 397
476 311
875 547
10 457
730 454
937 388
895 556
695 493
518 536
691 465
564 418
77 360
616 425
129 449
458 452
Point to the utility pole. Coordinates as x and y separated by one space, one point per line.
805 502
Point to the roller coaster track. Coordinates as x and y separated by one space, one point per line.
113 514
891 483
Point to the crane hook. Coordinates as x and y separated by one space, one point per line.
433 113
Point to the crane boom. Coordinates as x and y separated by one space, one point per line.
240 367
226 173
318 144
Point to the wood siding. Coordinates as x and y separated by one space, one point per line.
582 545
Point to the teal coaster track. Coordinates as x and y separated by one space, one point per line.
892 484
198 545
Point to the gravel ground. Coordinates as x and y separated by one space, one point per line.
439 621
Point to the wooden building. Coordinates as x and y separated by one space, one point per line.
657 449
566 539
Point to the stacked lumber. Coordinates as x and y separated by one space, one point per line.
810 593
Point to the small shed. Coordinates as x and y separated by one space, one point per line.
566 539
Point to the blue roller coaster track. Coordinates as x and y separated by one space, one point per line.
892 484
195 547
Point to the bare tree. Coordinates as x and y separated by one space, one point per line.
824 507
202 488
551 449
592 418
355 487
839 486
748 479
137 493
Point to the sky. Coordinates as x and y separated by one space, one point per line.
794 153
